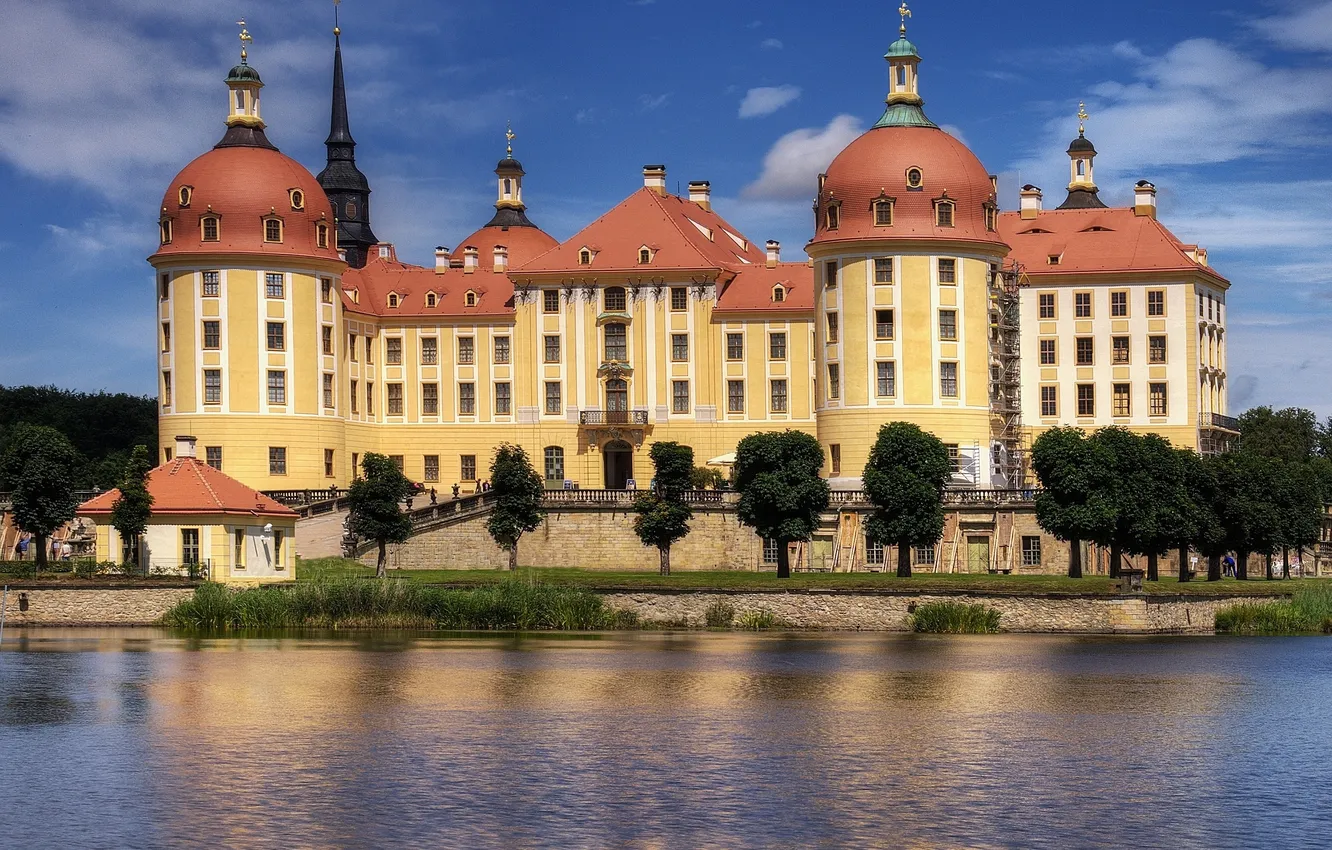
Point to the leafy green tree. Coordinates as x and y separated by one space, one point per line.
663 516
134 506
707 478
1074 504
39 466
781 493
374 506
103 427
1324 447
1291 434
1299 506
517 490
905 478
1210 535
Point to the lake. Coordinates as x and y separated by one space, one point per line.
137 738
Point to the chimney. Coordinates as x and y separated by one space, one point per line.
501 259
654 178
441 259
471 259
700 192
1031 201
774 253
1144 199
185 447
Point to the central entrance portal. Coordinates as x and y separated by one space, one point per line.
618 464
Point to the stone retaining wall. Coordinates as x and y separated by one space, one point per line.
97 606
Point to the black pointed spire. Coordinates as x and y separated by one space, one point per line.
347 189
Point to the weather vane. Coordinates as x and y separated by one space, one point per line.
510 135
1082 117
905 13
245 40
336 29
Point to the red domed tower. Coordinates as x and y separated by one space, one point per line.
904 245
247 285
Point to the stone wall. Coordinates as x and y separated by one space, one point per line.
90 606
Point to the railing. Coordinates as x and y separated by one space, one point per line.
842 498
295 498
1216 420
613 417
626 497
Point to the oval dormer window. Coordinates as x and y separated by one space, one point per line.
297 199
185 194
915 178
351 209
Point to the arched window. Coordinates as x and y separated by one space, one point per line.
943 214
272 230
644 256
431 299
469 299
554 463
883 213
186 193
778 293
834 216
617 395
321 235
901 76
1082 168
617 348
393 299
297 199
210 228
166 231
508 187
614 299
584 257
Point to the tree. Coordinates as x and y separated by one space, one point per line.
1210 536
663 516
102 427
517 490
134 506
707 477
1299 506
905 478
1074 502
374 506
39 466
781 493
1291 434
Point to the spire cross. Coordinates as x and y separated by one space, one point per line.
510 136
245 40
1082 118
905 13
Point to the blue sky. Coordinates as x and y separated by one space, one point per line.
1227 107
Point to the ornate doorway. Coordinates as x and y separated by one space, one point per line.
617 464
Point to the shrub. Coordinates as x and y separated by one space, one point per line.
1308 610
954 618
758 621
86 568
719 615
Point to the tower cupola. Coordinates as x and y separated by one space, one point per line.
904 101
1081 184
245 126
510 211
347 188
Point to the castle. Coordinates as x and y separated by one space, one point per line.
293 341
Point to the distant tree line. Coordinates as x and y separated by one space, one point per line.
103 428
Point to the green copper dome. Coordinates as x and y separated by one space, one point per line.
904 115
243 73
901 47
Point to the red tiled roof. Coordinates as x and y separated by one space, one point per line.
751 290
524 243
384 275
1095 241
187 485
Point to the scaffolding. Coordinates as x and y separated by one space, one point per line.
1008 440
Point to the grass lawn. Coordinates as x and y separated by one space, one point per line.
337 568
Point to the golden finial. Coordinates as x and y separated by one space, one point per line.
905 13
510 136
245 40
336 29
1082 117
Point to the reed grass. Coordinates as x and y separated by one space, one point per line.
954 618
758 621
719 615
1309 610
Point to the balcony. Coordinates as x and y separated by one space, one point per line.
613 417
1219 422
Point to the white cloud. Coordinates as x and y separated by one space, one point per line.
766 100
954 131
771 44
651 102
792 166
1307 29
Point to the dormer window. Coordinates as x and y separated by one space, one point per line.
991 217
321 235
585 257
943 213
778 294
165 228
883 212
297 199
1054 259
644 256
272 230
915 178
469 299
432 299
186 193
209 228
833 216
393 299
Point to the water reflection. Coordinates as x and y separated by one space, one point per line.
141 738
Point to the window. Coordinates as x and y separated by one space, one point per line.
468 464
886 379
873 551
1200 305
395 399
778 294
272 230
777 346
351 346
166 389
393 299
834 381
1054 259
1086 350
947 271
923 555
355 403
1082 305
189 545
644 256
735 346
832 328
554 463
679 396
277 460
991 217
554 402
834 216
1119 349
1049 401
735 396
830 274
277 551
212 386
617 347
1210 303
679 298
213 455
370 398
914 178
550 300
321 235
429 399
1048 351
954 458
501 350
883 324
430 463
948 380
212 284
617 395
1156 302
835 458
469 299
883 270
467 398
679 347
1086 400
552 349
948 324
584 257
778 396
1118 304
429 350
1031 551
432 300
369 351
769 554
328 463
466 350
1046 305
883 213
614 299
277 336
1156 349
503 398
1122 400
274 285
277 387
165 231
943 214
1157 403
297 199
327 334
210 228
166 336
185 193
326 290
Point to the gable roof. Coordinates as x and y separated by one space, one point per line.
751 290
187 485
382 275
